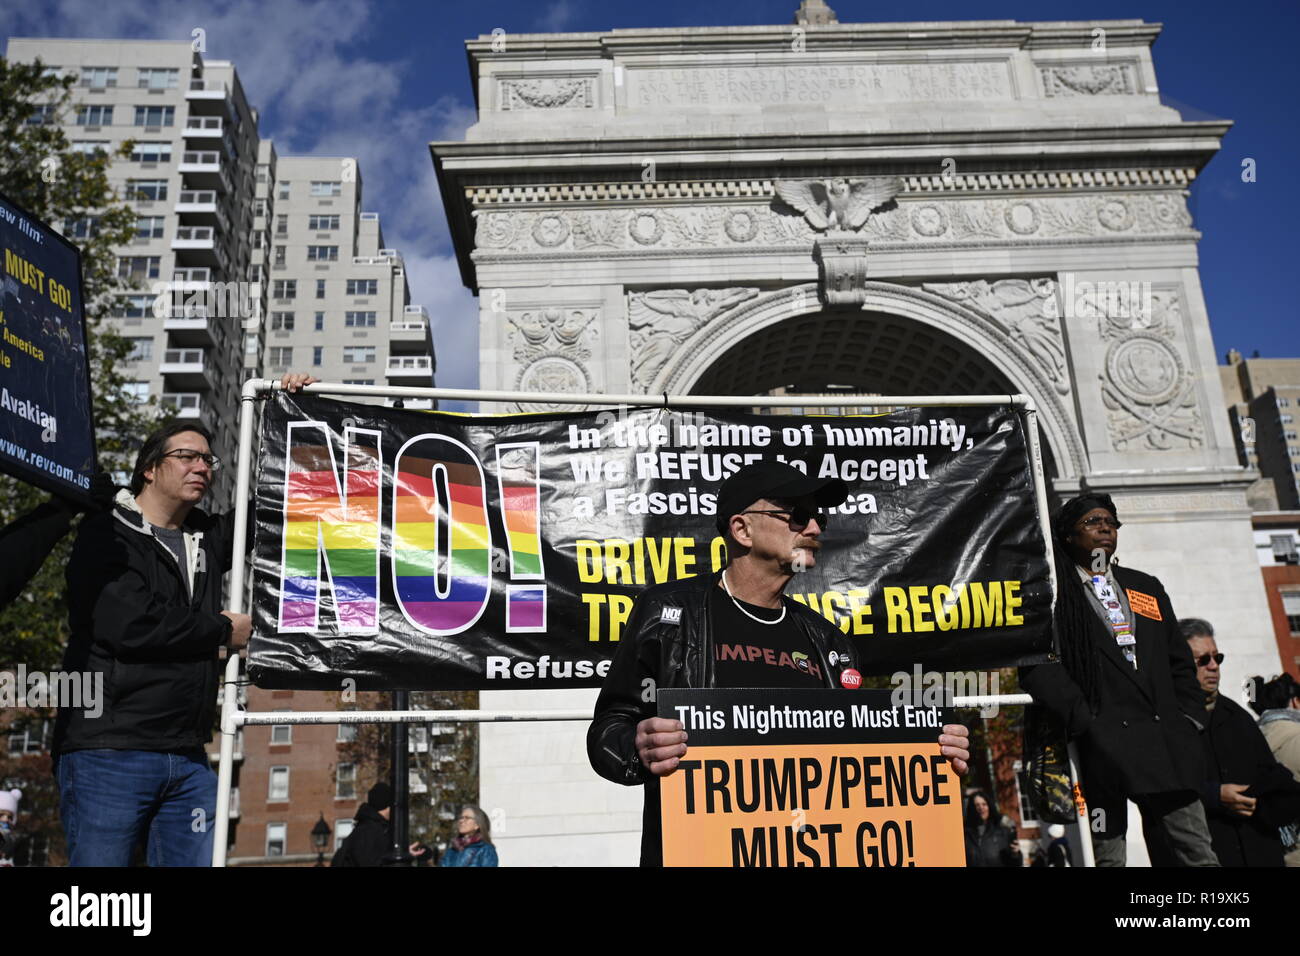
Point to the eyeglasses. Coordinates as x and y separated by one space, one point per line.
469 816
1204 659
1101 521
187 457
799 518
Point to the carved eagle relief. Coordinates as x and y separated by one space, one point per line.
838 205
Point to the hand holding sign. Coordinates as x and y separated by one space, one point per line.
661 744
954 743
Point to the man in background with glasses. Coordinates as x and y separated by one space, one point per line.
1126 691
145 610
1248 795
732 629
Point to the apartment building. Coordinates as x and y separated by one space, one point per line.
339 303
1263 402
190 180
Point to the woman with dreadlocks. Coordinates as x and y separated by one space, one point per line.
1125 688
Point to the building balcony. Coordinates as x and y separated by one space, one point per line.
185 369
412 404
187 406
192 328
199 245
208 97
414 370
408 337
205 127
202 169
201 207
197 278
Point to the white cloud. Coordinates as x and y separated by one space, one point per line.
557 17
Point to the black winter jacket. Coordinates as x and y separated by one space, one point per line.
665 650
1143 739
154 641
368 843
25 544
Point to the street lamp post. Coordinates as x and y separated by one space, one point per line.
320 839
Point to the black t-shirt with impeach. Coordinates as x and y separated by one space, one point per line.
749 654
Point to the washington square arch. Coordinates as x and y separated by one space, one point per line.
936 208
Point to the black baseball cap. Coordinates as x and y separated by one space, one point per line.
770 480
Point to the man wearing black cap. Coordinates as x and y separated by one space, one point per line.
1126 690
732 629
368 843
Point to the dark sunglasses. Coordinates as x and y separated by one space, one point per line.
1204 659
798 518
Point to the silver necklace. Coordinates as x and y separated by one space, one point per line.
739 607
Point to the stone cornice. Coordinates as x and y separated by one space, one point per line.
991 34
983 183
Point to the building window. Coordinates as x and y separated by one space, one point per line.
284 289
44 115
89 147
320 321
320 288
342 830
358 381
1291 608
154 115
276 834
1287 419
317 354
132 306
282 225
137 393
94 116
149 227
1028 817
347 733
99 77
32 739
281 321
156 78
345 782
363 287
326 189
282 733
279 786
136 268
281 356
279 255
87 227
322 253
1283 403
358 354
359 320
146 189
151 153
322 223
284 189
141 350
250 343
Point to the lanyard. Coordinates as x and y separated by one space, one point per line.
1120 625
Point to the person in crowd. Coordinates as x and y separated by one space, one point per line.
990 837
472 845
9 800
1125 689
1058 849
771 516
27 541
145 596
1248 795
1278 704
369 843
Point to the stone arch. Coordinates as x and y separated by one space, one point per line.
967 326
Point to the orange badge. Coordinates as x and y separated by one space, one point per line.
1144 604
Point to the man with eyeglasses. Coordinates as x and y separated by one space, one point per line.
732 629
1126 690
145 609
1248 795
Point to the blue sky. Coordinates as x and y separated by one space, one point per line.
379 79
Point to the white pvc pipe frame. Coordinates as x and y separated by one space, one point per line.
232 718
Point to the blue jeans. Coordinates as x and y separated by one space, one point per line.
112 799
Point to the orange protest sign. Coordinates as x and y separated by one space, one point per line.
809 778
1144 604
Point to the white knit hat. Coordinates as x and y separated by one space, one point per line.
9 800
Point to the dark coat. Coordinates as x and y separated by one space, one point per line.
25 544
155 642
368 843
1236 752
1143 738
993 846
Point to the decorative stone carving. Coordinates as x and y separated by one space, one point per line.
841 270
838 205
1114 79
1146 386
1027 312
552 346
661 320
547 93
918 222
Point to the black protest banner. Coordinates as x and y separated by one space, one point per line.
414 550
809 778
47 433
